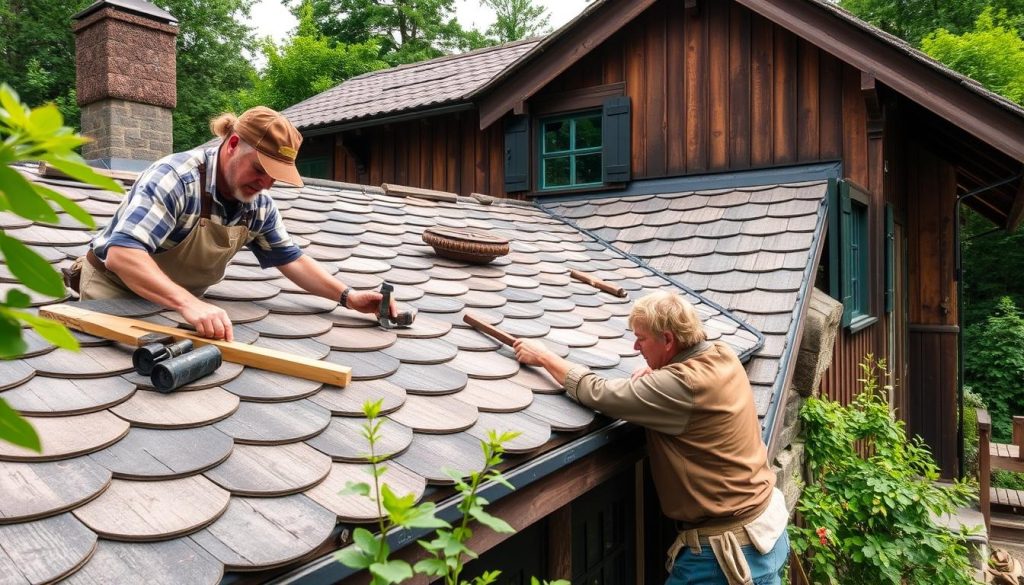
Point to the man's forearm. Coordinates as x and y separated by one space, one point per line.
311 277
137 269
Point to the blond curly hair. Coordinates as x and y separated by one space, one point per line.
665 311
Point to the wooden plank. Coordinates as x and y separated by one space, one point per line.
808 91
560 547
68 436
130 331
431 194
784 98
718 83
636 89
984 465
159 509
38 490
739 86
656 127
696 91
761 64
675 101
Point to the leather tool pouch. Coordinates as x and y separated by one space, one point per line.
73 276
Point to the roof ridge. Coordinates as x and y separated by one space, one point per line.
443 58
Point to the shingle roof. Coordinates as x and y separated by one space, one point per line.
242 470
445 80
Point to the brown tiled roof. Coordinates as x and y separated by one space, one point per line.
241 471
441 81
751 250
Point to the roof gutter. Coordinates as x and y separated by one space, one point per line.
392 119
328 571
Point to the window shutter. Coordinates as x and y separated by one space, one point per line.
846 267
517 154
615 140
890 249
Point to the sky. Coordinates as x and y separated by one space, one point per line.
271 18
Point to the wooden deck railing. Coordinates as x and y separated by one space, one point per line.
1009 457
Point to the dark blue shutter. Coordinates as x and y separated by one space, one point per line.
615 140
846 267
517 154
890 250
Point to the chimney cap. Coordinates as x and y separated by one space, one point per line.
140 7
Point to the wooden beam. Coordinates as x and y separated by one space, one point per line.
1016 215
555 58
984 465
826 28
130 331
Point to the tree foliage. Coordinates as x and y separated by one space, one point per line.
307 64
406 31
995 365
212 65
869 512
992 263
913 20
991 53
516 19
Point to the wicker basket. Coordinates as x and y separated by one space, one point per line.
466 245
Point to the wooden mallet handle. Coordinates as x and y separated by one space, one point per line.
475 322
598 283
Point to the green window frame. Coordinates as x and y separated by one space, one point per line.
571 151
852 269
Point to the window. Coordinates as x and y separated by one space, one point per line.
571 151
314 167
850 254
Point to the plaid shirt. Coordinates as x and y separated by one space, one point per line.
164 205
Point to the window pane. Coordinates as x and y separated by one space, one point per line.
588 132
588 168
556 136
556 171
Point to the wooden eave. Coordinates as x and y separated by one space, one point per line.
550 59
981 116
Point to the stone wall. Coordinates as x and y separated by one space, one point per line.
124 129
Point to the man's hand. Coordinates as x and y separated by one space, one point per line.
641 371
209 320
368 301
530 352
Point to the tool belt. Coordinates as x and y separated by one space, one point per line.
73 275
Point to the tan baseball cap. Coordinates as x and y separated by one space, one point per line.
276 142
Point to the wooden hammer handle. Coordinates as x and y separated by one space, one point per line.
598 283
487 329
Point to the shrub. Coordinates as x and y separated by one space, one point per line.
994 364
872 496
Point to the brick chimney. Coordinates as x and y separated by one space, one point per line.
126 79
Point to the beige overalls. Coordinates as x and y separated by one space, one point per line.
195 264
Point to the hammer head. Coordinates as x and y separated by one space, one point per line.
404 318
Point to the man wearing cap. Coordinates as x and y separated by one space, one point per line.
189 213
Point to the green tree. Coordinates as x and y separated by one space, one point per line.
991 53
994 365
213 68
992 262
307 64
913 20
34 134
37 52
406 31
517 19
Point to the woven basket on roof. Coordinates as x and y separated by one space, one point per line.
466 245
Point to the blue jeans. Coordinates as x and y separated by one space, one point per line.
703 569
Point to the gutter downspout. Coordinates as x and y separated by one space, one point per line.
958 275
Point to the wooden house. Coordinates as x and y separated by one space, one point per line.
701 89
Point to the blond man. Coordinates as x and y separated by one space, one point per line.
708 461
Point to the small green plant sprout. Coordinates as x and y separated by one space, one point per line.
448 549
870 504
36 134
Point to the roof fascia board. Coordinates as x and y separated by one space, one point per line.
535 71
401 117
942 95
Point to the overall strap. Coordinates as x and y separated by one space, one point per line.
206 200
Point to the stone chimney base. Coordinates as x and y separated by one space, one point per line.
125 129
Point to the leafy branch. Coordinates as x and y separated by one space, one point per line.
36 134
448 549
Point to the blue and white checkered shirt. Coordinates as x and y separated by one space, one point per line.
164 205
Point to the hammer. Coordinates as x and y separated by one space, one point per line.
403 319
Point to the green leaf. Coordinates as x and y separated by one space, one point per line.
69 206
49 330
83 172
30 268
12 105
353 488
17 430
493 522
11 343
354 557
392 571
44 120
433 567
17 299
22 198
366 541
